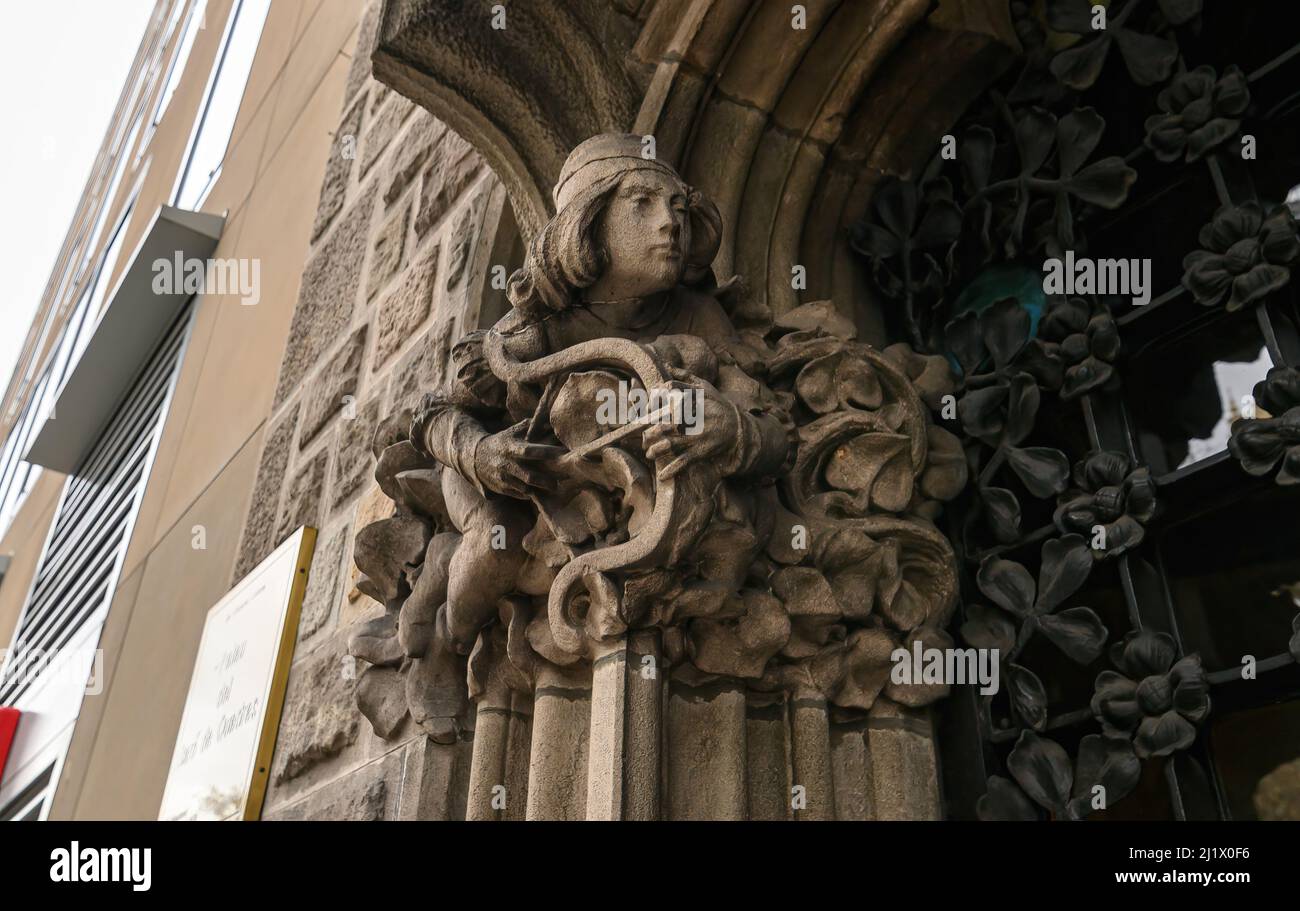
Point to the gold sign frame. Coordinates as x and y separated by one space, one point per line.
296 552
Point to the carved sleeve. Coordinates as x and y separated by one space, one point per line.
450 424
765 444
450 434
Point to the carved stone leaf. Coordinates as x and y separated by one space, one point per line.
422 489
981 413
1078 67
415 622
878 464
984 17
838 380
962 337
908 609
867 666
395 460
384 550
740 647
376 641
946 469
805 592
1078 133
437 696
381 696
1023 399
817 316
1005 326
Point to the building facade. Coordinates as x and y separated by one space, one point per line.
372 174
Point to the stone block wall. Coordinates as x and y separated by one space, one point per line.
408 221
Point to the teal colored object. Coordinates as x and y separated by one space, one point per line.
997 283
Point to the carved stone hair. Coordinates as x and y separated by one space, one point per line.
566 256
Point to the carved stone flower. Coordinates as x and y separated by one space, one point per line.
1244 255
1152 698
1199 111
1087 341
1259 443
1112 494
1043 777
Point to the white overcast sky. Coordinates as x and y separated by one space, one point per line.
62 69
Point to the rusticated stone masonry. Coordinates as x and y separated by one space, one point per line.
385 288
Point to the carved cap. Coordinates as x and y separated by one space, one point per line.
601 156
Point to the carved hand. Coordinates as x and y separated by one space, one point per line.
718 424
507 463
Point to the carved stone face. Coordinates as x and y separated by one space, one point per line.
646 231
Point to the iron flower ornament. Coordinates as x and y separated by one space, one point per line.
1260 443
1199 110
1245 256
1153 698
1112 494
1087 340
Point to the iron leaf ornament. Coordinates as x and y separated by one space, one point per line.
956 251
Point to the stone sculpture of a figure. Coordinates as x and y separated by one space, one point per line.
781 536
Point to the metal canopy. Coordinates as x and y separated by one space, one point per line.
128 331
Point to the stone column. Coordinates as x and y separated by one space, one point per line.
489 795
557 774
624 751
811 758
904 760
706 754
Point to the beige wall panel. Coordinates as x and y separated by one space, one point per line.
326 37
242 359
239 168
273 49
73 774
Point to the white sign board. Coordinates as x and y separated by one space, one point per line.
227 734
